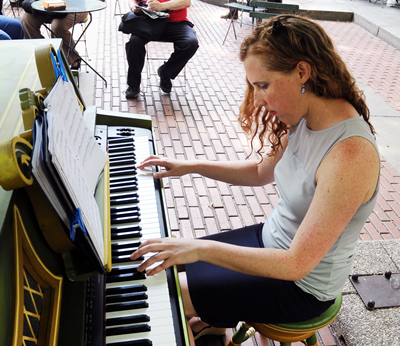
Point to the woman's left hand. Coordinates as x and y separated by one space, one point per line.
167 251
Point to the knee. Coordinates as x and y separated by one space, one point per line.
135 41
135 45
4 36
193 44
26 19
58 29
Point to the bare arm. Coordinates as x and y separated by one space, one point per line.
241 173
155 5
172 5
346 179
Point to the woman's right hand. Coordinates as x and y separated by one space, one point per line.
172 167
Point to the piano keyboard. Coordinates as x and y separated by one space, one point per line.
138 308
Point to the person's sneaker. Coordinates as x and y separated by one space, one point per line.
165 81
132 93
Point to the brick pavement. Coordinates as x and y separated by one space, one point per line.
201 123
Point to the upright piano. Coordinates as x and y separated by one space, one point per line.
50 291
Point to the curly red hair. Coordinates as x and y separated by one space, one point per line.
282 42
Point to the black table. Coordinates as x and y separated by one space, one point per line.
74 7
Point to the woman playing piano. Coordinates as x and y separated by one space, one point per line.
304 106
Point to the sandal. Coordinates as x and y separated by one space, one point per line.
210 330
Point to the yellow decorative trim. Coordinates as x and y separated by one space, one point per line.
15 154
106 218
44 65
26 257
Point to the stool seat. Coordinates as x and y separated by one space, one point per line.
286 333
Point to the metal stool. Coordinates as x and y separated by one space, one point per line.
151 68
288 332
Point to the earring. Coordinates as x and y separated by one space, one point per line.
303 89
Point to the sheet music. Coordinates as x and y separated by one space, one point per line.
76 156
63 103
42 175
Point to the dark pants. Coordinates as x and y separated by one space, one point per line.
222 297
185 46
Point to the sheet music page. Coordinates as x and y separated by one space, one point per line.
40 173
63 102
76 156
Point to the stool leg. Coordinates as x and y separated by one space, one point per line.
312 340
286 344
242 334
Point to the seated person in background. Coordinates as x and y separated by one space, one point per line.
10 28
177 30
302 103
60 25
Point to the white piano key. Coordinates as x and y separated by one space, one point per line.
159 336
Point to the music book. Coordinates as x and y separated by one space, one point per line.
67 161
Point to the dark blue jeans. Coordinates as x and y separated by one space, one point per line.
185 46
10 28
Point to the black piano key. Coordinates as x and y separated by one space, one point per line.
122 162
124 181
121 156
122 166
121 179
138 328
124 219
118 271
124 208
125 131
117 246
123 251
141 342
129 297
117 321
126 289
126 258
121 148
125 212
124 228
117 172
132 180
122 188
119 140
125 235
131 198
127 306
126 277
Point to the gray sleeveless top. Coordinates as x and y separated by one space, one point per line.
295 179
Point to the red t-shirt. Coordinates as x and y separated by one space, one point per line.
176 16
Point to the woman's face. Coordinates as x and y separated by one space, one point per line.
279 93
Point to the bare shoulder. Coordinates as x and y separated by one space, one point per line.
352 151
353 162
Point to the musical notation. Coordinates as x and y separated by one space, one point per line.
67 161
